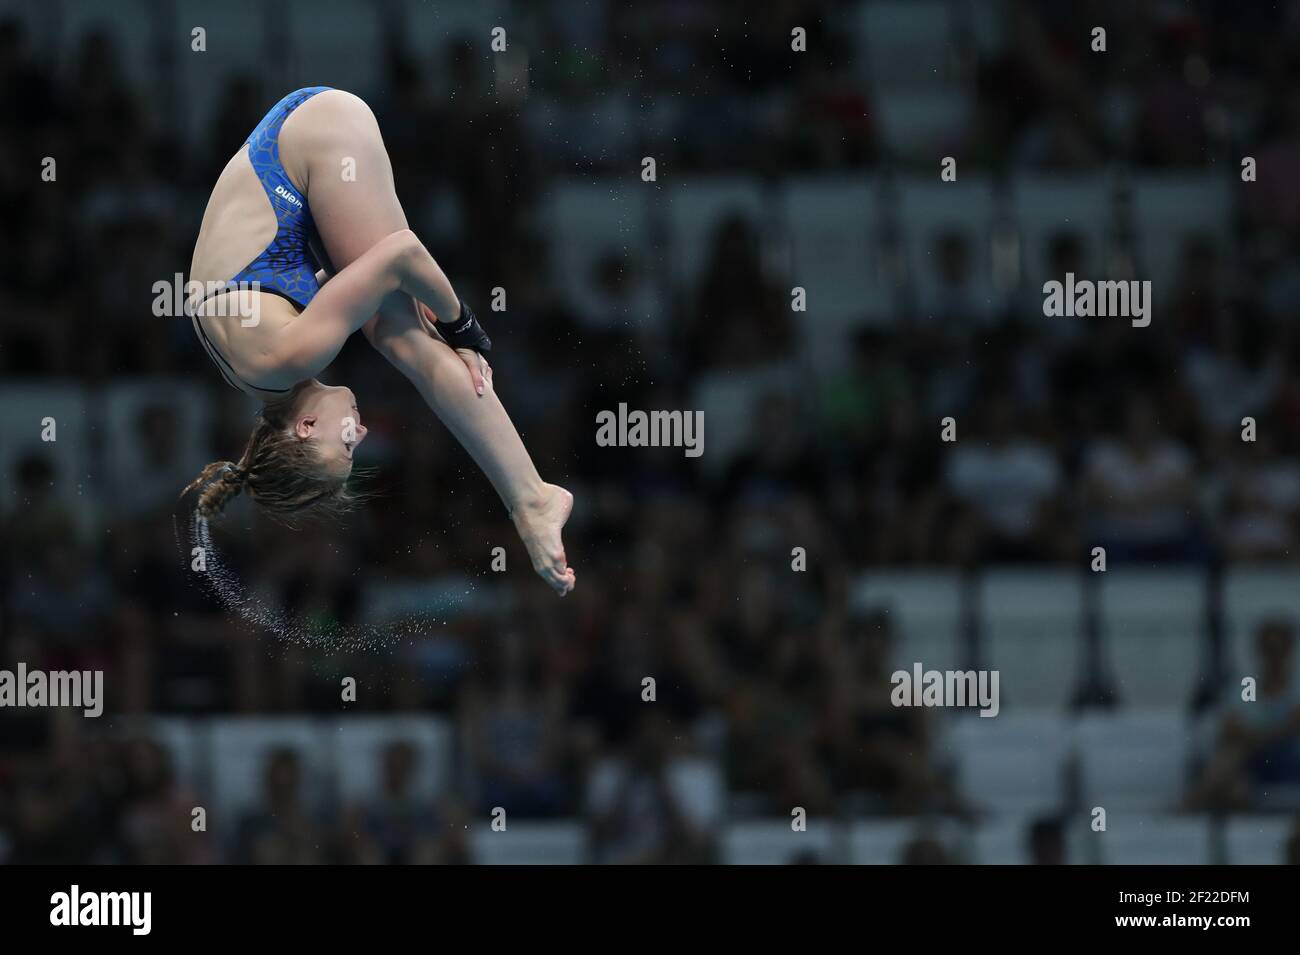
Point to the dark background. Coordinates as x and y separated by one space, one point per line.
776 169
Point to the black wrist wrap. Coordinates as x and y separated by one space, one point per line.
465 332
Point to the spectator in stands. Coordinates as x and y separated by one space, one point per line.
238 108
651 805
45 515
1238 374
1140 493
876 748
156 461
281 830
742 316
43 822
401 825
607 705
1059 140
775 727
1065 251
829 121
66 597
856 402
1273 204
1262 506
958 297
107 117
158 811
1178 103
924 850
620 301
511 723
1257 750
1198 294
1045 841
1005 483
805 857
776 457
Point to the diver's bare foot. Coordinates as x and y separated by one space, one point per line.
539 523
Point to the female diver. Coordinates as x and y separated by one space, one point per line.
311 190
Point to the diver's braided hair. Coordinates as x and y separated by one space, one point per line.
230 481
280 471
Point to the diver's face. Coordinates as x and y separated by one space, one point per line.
329 418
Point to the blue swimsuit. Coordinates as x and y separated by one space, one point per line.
287 267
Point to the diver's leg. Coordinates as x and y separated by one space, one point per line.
334 133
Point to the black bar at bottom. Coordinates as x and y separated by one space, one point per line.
334 905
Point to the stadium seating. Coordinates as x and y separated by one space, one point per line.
1004 840
885 842
1258 840
1012 763
1140 839
1154 622
1031 621
925 607
834 230
775 843
1133 760
1168 209
545 843
904 43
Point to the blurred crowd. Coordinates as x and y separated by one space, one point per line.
1067 440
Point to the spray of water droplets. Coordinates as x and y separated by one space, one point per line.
226 585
